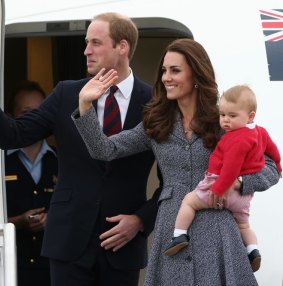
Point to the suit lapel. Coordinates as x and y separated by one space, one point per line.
133 116
134 113
94 103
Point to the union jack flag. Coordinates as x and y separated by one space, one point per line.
272 26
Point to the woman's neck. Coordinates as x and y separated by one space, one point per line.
187 108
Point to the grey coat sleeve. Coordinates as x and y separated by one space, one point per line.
126 143
262 180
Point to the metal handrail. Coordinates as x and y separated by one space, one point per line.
8 261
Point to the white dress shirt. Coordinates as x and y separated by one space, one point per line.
122 95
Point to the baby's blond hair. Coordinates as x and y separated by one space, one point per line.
242 94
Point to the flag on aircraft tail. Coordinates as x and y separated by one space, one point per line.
272 25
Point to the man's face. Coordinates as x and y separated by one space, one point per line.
27 101
99 50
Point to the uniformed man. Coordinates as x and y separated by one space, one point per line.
31 175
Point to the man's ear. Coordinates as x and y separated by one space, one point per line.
124 47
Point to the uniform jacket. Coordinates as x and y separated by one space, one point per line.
216 254
87 190
23 194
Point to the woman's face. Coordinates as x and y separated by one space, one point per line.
177 76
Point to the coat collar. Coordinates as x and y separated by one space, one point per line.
178 131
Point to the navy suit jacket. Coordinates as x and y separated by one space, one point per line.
87 190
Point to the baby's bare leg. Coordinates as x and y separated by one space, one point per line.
248 235
250 241
190 204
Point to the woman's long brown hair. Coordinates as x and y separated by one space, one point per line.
160 113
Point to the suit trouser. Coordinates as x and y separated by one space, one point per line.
91 269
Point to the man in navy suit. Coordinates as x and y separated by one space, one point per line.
99 216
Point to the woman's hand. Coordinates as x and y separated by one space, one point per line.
217 202
95 88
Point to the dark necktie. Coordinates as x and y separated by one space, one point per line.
112 118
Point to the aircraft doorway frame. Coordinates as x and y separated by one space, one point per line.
8 268
3 212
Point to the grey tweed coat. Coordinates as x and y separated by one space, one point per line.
216 255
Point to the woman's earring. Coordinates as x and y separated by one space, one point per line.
196 85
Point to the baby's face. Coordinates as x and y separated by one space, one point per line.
232 115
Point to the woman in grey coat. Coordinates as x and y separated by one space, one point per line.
181 127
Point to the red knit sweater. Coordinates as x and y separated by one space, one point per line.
241 152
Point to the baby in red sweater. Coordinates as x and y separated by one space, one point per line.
239 152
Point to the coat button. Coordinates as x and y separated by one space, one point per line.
34 238
35 192
31 260
189 258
